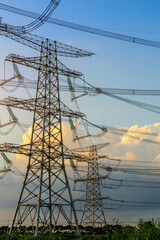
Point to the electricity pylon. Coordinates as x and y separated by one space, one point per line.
93 212
45 198
45 194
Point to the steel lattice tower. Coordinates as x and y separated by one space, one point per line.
93 213
45 194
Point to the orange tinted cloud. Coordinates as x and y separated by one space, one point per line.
121 147
130 156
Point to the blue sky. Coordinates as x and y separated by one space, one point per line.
115 64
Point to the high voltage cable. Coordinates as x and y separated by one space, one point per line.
83 28
123 130
129 186
132 171
80 88
103 128
138 202
130 166
128 183
40 19
136 161
89 90
142 105
135 138
146 106
134 205
120 91
118 132
138 169
139 181
141 166
8 131
139 173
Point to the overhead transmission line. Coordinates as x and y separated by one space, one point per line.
134 170
82 28
118 131
140 170
40 19
146 106
136 204
89 90
121 132
109 93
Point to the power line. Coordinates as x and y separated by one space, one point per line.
83 28
40 20
89 90
142 105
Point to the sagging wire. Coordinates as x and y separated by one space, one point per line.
118 132
83 28
8 131
40 20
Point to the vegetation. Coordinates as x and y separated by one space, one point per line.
143 231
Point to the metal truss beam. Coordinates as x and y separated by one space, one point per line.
24 149
88 148
29 104
35 42
35 62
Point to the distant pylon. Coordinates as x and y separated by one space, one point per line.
93 213
45 198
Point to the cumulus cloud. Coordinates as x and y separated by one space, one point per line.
22 160
130 156
135 148
126 140
122 147
157 159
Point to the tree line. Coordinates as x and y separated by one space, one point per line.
142 231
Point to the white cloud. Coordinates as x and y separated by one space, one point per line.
120 147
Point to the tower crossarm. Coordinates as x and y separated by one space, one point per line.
67 112
37 63
25 104
22 149
5 170
99 198
88 148
29 104
76 157
8 123
15 148
35 42
90 179
82 158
